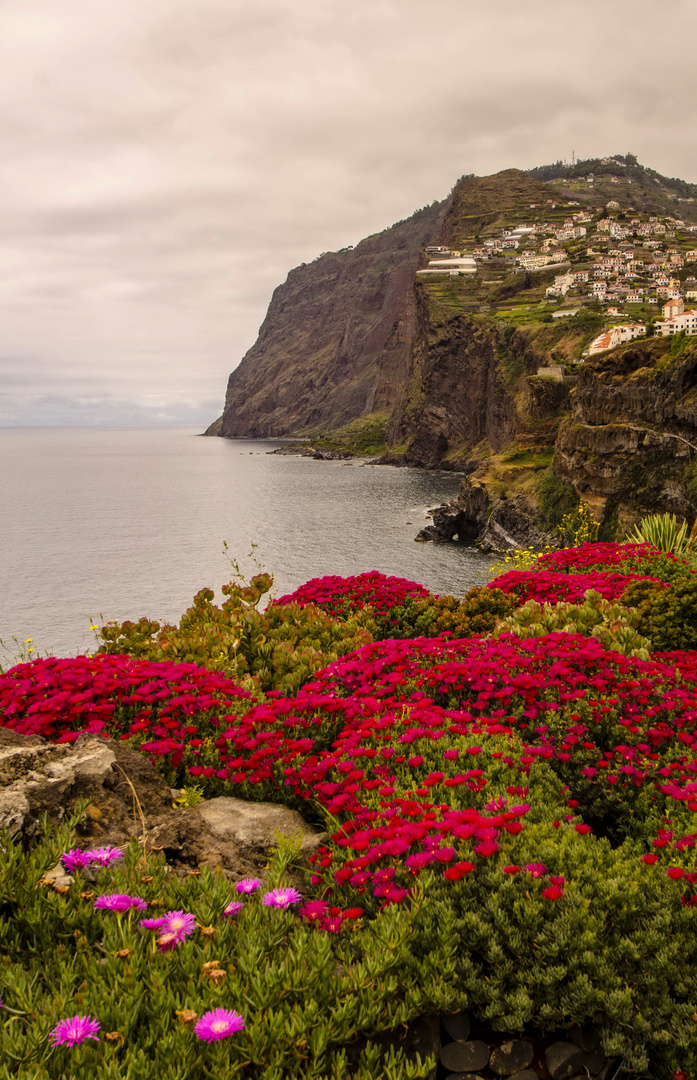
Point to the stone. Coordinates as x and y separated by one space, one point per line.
126 799
467 1057
256 827
464 1076
511 1057
526 1074
563 1060
457 1025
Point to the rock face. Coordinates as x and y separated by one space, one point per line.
127 799
494 524
454 395
633 428
336 341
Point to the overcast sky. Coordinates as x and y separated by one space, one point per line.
166 162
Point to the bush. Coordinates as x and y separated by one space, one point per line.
612 625
667 616
310 1000
276 649
477 613
341 597
547 586
640 559
555 499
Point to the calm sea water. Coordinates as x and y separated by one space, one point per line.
104 524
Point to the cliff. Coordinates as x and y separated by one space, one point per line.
631 438
336 341
484 372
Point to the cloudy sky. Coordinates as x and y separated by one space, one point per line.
166 162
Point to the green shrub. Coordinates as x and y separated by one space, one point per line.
555 499
477 613
277 649
309 1000
663 531
613 625
668 616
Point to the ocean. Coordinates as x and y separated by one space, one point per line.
101 524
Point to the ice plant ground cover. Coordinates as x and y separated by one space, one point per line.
516 816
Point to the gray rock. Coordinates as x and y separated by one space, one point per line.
256 827
465 1076
511 1057
526 1074
467 1057
457 1025
563 1060
593 1061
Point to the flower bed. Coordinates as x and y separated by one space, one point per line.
551 587
523 803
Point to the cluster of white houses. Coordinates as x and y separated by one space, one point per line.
675 320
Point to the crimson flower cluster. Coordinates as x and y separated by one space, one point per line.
339 596
546 586
166 703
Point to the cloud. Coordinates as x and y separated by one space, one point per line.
165 164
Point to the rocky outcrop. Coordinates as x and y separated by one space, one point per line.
336 340
493 524
633 430
455 394
124 798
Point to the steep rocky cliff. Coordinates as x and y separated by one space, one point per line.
632 434
336 341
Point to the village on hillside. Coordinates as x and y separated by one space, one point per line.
554 259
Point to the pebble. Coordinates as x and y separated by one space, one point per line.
511 1057
457 1025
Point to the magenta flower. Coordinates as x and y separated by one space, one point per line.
536 869
218 1024
314 910
105 856
75 860
152 924
281 898
248 885
120 902
181 923
552 892
233 908
75 1030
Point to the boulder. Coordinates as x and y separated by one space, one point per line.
511 1057
465 1057
457 1025
125 798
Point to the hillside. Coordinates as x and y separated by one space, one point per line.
484 326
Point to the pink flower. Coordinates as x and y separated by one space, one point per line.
536 869
233 908
75 1030
248 885
675 872
553 892
75 859
486 849
511 869
314 910
281 898
181 923
218 1024
105 856
152 924
119 902
649 859
454 873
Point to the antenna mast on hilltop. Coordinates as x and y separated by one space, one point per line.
573 157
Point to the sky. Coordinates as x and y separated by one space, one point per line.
165 163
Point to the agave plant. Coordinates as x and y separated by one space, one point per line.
663 531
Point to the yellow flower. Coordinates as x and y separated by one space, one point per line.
28 641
